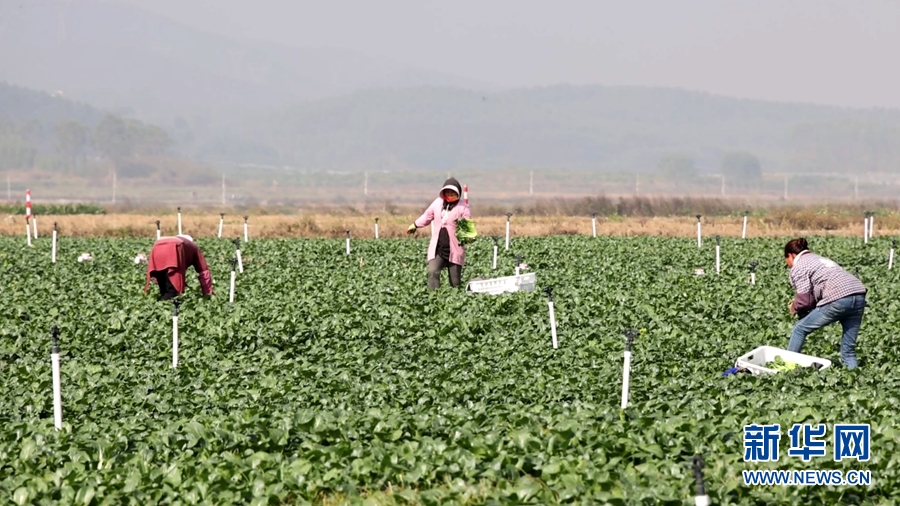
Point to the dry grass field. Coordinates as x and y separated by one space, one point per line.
319 224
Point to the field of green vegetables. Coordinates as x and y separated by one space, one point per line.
336 378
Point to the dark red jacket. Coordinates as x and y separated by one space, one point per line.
174 255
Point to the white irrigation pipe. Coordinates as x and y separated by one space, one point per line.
221 223
744 229
34 222
175 304
866 230
246 230
233 276
553 337
376 228
626 366
699 240
753 272
179 221
891 255
718 257
53 250
496 246
508 216
594 224
871 225
348 242
158 232
519 264
28 230
237 254
57 387
700 497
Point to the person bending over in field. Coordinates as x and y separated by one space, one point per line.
453 227
826 293
168 263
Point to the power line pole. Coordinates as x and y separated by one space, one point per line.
531 183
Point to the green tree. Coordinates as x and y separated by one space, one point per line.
71 142
677 166
741 166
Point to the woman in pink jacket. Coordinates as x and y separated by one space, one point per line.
444 250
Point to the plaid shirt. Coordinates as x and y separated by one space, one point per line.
819 281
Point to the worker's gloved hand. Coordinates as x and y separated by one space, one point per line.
791 307
411 230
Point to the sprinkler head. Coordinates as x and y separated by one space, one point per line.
157 224
630 334
233 261
697 464
54 225
593 215
376 220
752 265
237 243
746 213
176 302
348 234
549 291
495 238
508 216
246 218
179 209
54 337
698 217
222 215
717 240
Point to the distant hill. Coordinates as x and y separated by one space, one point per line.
587 127
122 58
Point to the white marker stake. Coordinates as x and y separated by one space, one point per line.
744 230
348 242
221 223
57 387
594 224
508 215
752 278
175 303
246 230
179 221
753 266
718 257
871 226
376 228
158 232
626 366
34 222
28 231
699 240
891 255
549 290
496 247
53 250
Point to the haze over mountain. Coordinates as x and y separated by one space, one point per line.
126 59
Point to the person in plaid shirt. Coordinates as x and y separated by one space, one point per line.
826 293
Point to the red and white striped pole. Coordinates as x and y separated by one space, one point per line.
28 204
466 194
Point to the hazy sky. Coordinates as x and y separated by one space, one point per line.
841 52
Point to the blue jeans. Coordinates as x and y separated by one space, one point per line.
848 310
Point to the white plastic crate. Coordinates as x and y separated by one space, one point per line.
494 286
756 360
